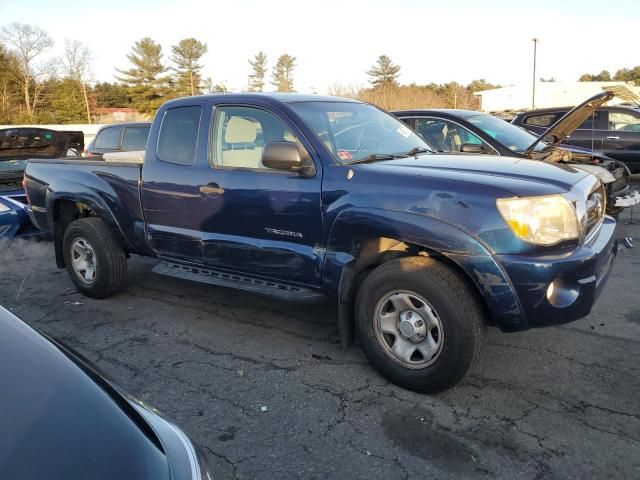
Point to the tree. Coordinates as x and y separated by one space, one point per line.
149 86
209 87
481 84
384 73
628 75
259 68
29 43
282 74
603 76
64 101
112 95
78 60
186 56
10 89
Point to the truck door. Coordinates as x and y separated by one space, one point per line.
255 219
622 138
170 194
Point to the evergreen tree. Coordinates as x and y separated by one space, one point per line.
149 87
64 102
282 75
112 95
259 68
384 73
186 56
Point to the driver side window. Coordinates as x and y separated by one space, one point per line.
447 136
240 135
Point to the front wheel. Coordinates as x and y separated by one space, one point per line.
419 324
96 263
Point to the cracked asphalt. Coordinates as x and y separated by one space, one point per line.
266 390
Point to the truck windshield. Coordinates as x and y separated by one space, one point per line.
514 138
354 132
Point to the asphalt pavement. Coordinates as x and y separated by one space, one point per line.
266 390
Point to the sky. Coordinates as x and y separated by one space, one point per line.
338 40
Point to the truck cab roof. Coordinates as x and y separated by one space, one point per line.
270 97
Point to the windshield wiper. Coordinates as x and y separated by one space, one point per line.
415 151
374 157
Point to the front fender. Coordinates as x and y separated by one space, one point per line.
353 228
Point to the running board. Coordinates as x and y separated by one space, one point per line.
290 293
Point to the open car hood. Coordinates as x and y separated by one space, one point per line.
560 130
31 142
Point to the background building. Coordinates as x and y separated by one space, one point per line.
549 94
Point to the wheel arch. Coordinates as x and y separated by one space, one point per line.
361 242
65 207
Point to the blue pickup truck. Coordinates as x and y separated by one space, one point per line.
315 199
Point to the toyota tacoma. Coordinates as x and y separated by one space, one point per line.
315 199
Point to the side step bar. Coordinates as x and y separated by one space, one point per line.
290 293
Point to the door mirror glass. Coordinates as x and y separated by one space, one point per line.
472 148
282 156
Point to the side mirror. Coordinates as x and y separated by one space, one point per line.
472 148
284 156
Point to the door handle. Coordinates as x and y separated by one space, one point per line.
211 189
612 138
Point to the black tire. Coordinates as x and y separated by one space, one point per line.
110 261
457 308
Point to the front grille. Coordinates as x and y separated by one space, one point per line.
595 208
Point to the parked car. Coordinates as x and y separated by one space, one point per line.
611 130
310 198
119 137
61 418
472 132
16 146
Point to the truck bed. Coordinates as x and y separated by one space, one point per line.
112 186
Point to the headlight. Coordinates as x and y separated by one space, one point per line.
4 208
544 220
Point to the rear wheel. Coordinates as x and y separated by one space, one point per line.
419 323
96 263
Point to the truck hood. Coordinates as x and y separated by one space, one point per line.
520 177
21 143
560 130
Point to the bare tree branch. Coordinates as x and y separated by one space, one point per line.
28 43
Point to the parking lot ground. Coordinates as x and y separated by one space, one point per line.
266 390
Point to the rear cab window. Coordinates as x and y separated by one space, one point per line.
179 135
135 138
108 139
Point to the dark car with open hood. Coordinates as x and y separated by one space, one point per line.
62 419
471 132
17 144
611 130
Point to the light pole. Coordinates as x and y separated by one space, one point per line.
533 90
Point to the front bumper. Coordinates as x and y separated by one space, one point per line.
578 279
